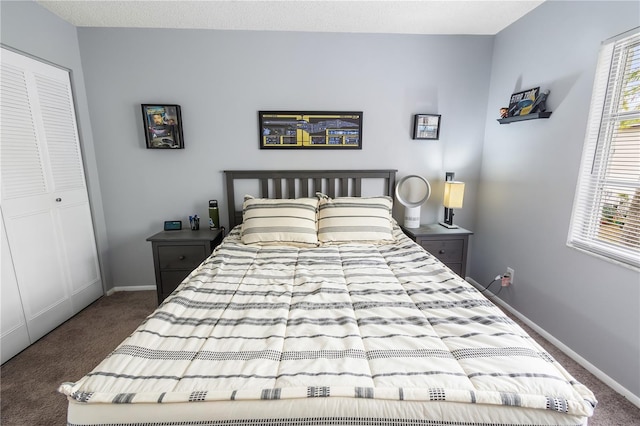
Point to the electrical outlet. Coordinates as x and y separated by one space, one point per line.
511 273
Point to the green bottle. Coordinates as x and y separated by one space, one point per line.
214 218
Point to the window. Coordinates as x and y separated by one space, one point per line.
606 211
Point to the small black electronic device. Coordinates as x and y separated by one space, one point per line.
172 225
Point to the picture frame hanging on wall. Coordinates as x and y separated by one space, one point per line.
426 126
310 129
162 126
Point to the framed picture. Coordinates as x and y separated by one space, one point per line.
162 126
522 102
426 126
310 129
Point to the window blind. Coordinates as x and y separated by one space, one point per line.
606 211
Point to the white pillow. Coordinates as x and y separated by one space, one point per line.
355 219
279 221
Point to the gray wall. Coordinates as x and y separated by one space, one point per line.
528 181
31 29
222 79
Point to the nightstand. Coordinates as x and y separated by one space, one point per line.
448 245
177 253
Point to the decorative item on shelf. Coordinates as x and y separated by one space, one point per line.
526 105
504 112
412 191
426 126
540 103
453 198
521 102
310 129
162 126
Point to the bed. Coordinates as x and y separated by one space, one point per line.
317 310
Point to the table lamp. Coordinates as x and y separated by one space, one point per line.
453 198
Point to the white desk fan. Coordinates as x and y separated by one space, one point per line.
412 191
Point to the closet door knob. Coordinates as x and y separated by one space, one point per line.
58 200
181 257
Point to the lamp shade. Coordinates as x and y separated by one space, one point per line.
453 194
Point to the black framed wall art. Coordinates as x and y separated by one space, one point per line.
310 129
162 126
426 126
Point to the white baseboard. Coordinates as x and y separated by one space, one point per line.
131 288
634 399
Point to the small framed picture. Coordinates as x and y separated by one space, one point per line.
162 126
426 126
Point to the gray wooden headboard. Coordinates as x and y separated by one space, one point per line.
304 183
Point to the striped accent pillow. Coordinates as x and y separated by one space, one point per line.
355 219
279 221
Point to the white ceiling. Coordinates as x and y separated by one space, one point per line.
359 16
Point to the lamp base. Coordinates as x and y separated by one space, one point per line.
446 225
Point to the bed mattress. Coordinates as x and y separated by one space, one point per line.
351 333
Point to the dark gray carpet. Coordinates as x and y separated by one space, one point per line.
30 380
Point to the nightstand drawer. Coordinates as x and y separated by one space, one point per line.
171 280
450 246
181 257
456 267
445 250
177 253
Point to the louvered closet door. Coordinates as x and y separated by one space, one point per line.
44 197
15 336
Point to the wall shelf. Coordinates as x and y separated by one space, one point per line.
534 116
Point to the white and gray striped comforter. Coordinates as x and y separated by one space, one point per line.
358 320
